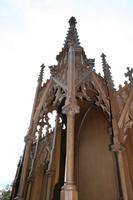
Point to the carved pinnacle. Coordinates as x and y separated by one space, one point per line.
107 72
72 35
40 78
103 56
72 21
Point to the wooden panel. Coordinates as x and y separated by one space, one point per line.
97 178
129 152
36 189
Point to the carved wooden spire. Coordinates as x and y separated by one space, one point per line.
40 78
107 72
72 35
73 40
129 74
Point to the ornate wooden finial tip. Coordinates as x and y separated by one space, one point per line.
107 72
40 78
42 66
72 21
103 55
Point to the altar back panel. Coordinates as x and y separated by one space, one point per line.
97 170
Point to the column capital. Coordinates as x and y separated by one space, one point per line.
70 107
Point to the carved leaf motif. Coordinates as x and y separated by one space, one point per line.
83 73
59 95
82 94
101 104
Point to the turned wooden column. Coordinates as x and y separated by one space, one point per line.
69 190
50 170
70 149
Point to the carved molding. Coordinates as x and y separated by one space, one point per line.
117 147
70 107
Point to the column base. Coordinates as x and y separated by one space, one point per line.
69 192
18 198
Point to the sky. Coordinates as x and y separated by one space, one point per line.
32 32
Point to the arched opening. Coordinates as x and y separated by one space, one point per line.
97 177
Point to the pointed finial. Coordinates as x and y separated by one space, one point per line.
103 56
72 35
129 74
107 72
72 21
40 78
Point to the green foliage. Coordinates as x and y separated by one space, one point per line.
5 193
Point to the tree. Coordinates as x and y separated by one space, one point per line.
5 193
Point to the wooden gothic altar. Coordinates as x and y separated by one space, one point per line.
86 153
